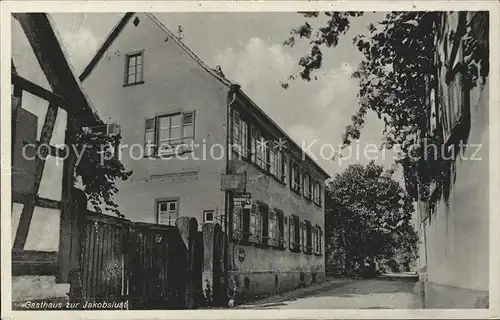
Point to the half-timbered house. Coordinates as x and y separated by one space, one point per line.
49 106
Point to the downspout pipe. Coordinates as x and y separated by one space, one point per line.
231 98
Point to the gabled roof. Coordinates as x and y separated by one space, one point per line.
115 32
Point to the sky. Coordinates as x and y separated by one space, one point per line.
248 47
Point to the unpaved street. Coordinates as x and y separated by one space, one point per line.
379 293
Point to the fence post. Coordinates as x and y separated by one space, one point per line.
188 229
208 262
77 217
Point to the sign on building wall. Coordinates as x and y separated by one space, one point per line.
243 201
234 182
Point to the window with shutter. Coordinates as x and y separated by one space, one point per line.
236 223
253 225
295 181
263 223
273 230
169 134
244 139
314 238
280 237
253 144
320 241
245 224
284 172
301 236
307 186
306 236
317 193
239 135
149 139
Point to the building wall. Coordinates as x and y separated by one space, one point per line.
172 82
272 270
457 235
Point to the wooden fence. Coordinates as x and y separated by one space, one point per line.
102 259
151 266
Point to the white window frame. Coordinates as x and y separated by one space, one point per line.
172 214
207 211
184 143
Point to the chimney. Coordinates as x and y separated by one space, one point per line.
218 70
234 87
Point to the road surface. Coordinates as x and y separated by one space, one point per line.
379 293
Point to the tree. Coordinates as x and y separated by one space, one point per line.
399 57
99 167
367 217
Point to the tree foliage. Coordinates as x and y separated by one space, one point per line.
399 55
99 168
368 216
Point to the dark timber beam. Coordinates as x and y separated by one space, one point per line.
21 83
34 263
24 198
53 61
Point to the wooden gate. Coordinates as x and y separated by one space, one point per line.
158 267
148 265
219 294
103 274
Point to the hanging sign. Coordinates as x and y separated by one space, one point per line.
243 200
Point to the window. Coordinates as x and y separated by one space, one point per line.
167 211
208 216
295 176
317 193
273 159
280 236
254 234
134 67
308 237
173 133
302 236
260 149
264 223
317 240
277 165
307 186
237 221
294 233
284 168
273 229
240 135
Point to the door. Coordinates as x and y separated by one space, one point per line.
157 268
